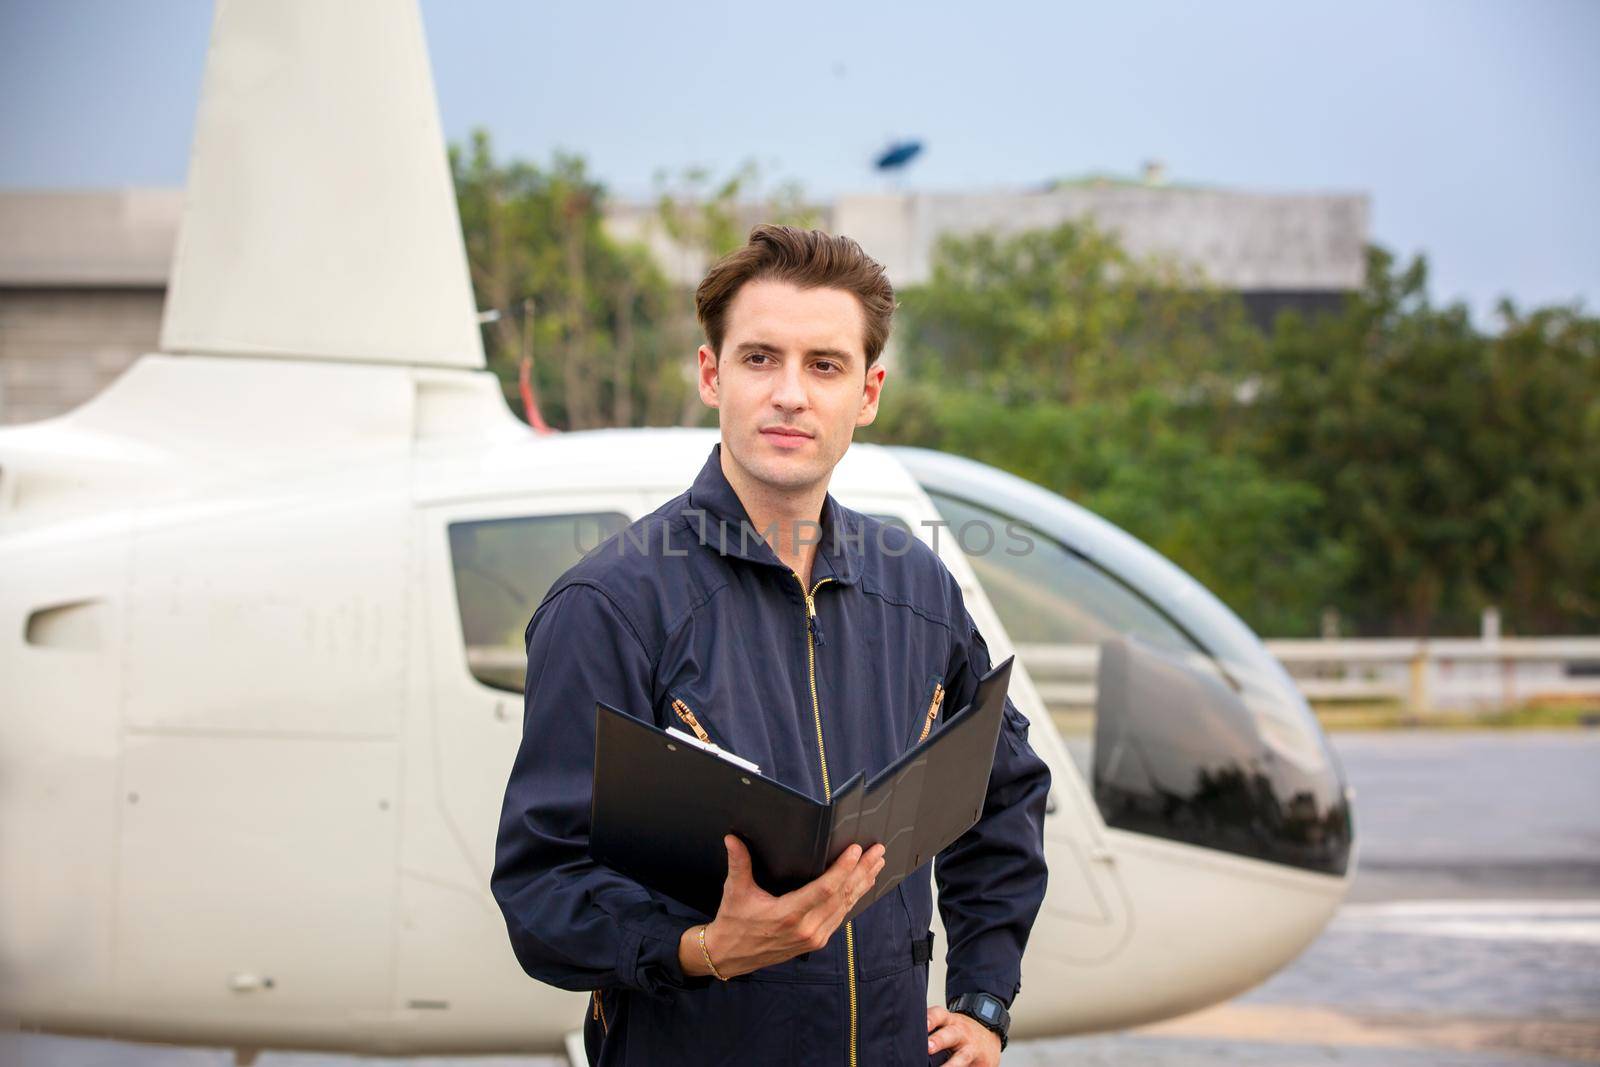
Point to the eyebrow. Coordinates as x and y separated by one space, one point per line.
764 346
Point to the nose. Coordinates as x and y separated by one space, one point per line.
789 391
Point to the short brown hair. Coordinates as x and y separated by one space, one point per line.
808 259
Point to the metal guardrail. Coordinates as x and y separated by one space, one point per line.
1423 674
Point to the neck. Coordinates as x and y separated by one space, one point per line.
789 519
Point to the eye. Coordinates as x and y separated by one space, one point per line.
756 355
827 365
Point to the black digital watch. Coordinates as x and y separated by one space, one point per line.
989 1010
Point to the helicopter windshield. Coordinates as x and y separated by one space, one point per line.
1183 724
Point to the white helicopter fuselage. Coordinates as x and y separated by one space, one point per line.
251 770
252 786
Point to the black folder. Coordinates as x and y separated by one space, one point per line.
661 806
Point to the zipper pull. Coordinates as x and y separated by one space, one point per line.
933 712
812 620
689 720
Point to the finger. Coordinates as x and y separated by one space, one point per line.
738 861
830 887
964 1056
841 906
847 861
946 1036
852 895
877 868
871 863
937 1017
865 877
836 900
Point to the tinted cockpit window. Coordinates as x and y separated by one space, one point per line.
1061 607
503 568
1195 740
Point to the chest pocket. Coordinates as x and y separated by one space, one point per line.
930 710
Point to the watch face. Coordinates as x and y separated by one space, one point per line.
990 1011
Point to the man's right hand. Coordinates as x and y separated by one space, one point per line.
754 929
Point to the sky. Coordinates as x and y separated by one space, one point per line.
1474 127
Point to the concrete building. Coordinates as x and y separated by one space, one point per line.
1277 250
83 274
82 279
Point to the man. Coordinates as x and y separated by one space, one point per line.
757 612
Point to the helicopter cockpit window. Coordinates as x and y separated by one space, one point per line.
503 568
1062 608
1191 734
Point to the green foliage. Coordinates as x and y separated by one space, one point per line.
1067 315
1146 464
1541 444
1057 356
1463 470
1389 460
1377 407
711 217
611 340
596 316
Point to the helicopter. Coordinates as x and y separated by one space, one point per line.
263 607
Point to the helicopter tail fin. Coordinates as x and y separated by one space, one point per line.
320 220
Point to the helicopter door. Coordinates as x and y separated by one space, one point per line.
487 566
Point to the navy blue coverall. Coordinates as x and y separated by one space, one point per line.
685 615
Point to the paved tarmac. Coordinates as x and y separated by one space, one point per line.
1471 938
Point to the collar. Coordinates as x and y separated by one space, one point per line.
725 519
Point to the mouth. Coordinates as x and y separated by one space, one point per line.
785 433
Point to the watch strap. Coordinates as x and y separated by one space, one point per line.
989 1011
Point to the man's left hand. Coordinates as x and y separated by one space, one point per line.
971 1044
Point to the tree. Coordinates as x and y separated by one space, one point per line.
1540 442
589 309
1118 383
1460 469
1389 459
1140 462
1066 314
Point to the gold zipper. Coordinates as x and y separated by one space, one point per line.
600 1013
688 717
827 789
933 711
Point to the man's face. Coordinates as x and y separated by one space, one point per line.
791 385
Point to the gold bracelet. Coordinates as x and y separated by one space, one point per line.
707 954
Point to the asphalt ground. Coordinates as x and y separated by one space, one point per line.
1471 937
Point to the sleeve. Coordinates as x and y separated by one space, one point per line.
574 923
992 879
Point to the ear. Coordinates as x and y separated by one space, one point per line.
871 391
706 377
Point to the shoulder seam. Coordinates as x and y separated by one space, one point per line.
621 614
699 602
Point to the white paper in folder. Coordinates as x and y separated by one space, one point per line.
713 749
